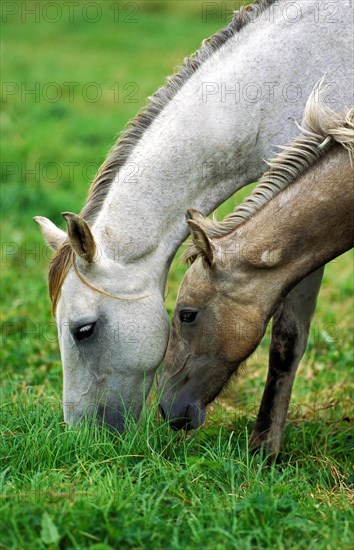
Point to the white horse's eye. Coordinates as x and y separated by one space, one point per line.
85 331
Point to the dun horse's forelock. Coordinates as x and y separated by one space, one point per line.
321 129
62 261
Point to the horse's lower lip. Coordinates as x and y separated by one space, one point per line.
162 412
181 423
111 417
191 419
177 422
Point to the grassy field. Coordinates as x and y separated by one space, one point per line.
72 79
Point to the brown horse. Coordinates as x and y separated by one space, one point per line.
298 218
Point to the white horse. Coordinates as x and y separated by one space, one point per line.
203 136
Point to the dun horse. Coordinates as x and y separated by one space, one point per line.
203 136
299 217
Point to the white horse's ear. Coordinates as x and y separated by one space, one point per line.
202 242
80 236
53 236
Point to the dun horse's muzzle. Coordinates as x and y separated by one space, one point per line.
186 418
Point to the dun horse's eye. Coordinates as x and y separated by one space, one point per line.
187 316
84 332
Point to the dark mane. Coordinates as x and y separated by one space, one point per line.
125 144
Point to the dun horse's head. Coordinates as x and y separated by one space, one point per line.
216 325
112 325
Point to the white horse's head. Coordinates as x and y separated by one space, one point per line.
112 325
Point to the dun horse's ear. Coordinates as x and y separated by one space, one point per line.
80 236
202 242
195 215
53 236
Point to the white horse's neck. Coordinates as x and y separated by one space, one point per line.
210 139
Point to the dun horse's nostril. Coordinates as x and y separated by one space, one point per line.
179 424
182 422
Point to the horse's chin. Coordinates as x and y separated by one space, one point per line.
111 418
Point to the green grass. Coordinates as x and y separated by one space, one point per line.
88 488
153 489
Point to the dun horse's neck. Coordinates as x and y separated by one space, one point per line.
215 132
302 228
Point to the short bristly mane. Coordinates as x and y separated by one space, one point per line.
158 101
124 146
321 129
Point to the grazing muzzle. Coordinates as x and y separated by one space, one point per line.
112 417
181 401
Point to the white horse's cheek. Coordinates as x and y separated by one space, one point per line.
141 344
155 345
